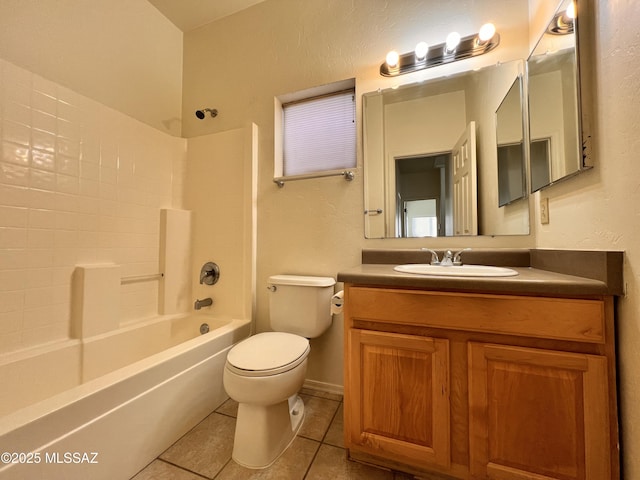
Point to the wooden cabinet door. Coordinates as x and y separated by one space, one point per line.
398 403
537 414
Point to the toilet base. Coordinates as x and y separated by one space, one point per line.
264 432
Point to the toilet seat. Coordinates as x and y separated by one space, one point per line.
268 353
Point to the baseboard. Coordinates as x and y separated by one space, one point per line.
324 387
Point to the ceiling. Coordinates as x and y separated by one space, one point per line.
190 14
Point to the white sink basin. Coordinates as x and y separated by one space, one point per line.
456 271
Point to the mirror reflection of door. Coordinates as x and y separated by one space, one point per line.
420 218
424 203
465 190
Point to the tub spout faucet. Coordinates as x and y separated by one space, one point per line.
434 256
205 302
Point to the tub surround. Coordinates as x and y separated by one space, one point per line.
454 364
95 306
174 295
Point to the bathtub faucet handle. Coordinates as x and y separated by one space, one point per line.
205 302
209 273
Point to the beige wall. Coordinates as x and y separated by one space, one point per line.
121 53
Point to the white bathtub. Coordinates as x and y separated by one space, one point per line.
134 403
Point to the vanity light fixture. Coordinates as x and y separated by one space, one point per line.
392 58
421 51
452 42
455 48
486 33
563 22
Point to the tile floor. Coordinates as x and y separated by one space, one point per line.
317 453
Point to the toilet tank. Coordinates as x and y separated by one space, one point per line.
300 304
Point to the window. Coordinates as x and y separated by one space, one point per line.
318 134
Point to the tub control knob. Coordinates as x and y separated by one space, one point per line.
209 274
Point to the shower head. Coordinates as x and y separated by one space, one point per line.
202 113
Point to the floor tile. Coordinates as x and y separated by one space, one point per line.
317 453
318 413
331 463
159 470
206 448
230 408
292 465
335 434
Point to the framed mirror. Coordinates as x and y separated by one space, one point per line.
555 119
431 157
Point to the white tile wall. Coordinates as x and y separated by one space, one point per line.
80 183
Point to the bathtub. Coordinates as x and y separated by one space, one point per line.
129 402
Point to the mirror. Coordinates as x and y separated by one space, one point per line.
554 107
511 147
431 158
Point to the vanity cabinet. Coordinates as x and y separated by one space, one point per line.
481 386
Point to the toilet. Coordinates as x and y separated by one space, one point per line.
265 372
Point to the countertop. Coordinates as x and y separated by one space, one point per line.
600 273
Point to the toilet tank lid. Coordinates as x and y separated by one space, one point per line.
302 280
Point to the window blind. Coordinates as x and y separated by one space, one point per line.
319 134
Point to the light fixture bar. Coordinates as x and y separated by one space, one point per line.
470 46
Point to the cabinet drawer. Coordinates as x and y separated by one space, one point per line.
579 320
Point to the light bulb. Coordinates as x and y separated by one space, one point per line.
393 58
571 11
453 39
421 51
486 33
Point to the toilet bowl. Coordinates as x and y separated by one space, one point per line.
265 372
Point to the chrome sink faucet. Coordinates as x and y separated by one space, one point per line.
205 302
448 259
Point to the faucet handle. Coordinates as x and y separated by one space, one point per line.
457 257
209 274
434 256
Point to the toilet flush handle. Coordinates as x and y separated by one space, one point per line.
272 288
